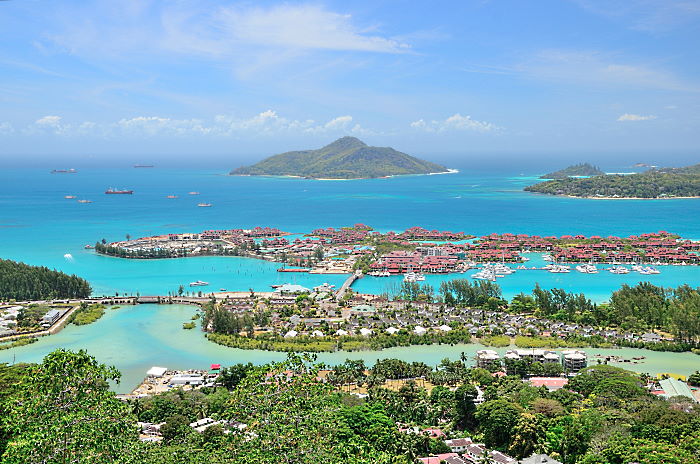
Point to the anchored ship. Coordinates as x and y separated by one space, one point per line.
112 191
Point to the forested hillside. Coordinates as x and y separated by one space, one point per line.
661 183
19 281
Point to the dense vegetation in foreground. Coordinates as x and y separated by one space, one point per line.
19 281
662 183
346 158
62 411
583 169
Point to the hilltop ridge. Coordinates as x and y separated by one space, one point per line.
582 169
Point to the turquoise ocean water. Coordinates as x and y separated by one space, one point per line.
39 226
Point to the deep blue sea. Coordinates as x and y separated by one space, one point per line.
39 226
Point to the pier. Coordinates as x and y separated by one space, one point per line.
348 283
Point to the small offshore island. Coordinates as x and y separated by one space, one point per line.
346 158
653 184
577 170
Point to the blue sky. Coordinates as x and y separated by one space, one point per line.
240 80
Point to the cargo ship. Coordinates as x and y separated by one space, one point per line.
143 165
63 171
112 191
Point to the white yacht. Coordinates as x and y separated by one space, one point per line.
559 269
484 274
410 277
199 283
587 268
379 274
619 270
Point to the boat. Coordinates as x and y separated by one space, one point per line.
143 165
84 201
379 274
619 270
63 171
199 283
204 205
88 247
420 277
484 274
171 196
587 269
193 193
113 191
222 289
501 268
69 197
409 277
559 269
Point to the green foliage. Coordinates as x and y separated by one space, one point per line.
463 292
62 411
601 378
694 379
19 342
188 325
87 314
231 376
497 420
640 307
346 158
498 341
582 169
20 281
682 182
300 343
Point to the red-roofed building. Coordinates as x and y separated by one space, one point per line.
552 383
438 458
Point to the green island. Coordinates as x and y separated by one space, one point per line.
299 411
19 281
582 169
346 158
656 183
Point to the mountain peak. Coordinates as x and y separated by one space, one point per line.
344 144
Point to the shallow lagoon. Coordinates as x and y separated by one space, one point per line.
135 338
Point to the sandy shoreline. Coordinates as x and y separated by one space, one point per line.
449 171
627 198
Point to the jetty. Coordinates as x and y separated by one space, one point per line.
348 283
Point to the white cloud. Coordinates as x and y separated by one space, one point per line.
206 29
635 117
153 125
49 121
456 122
303 27
265 123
